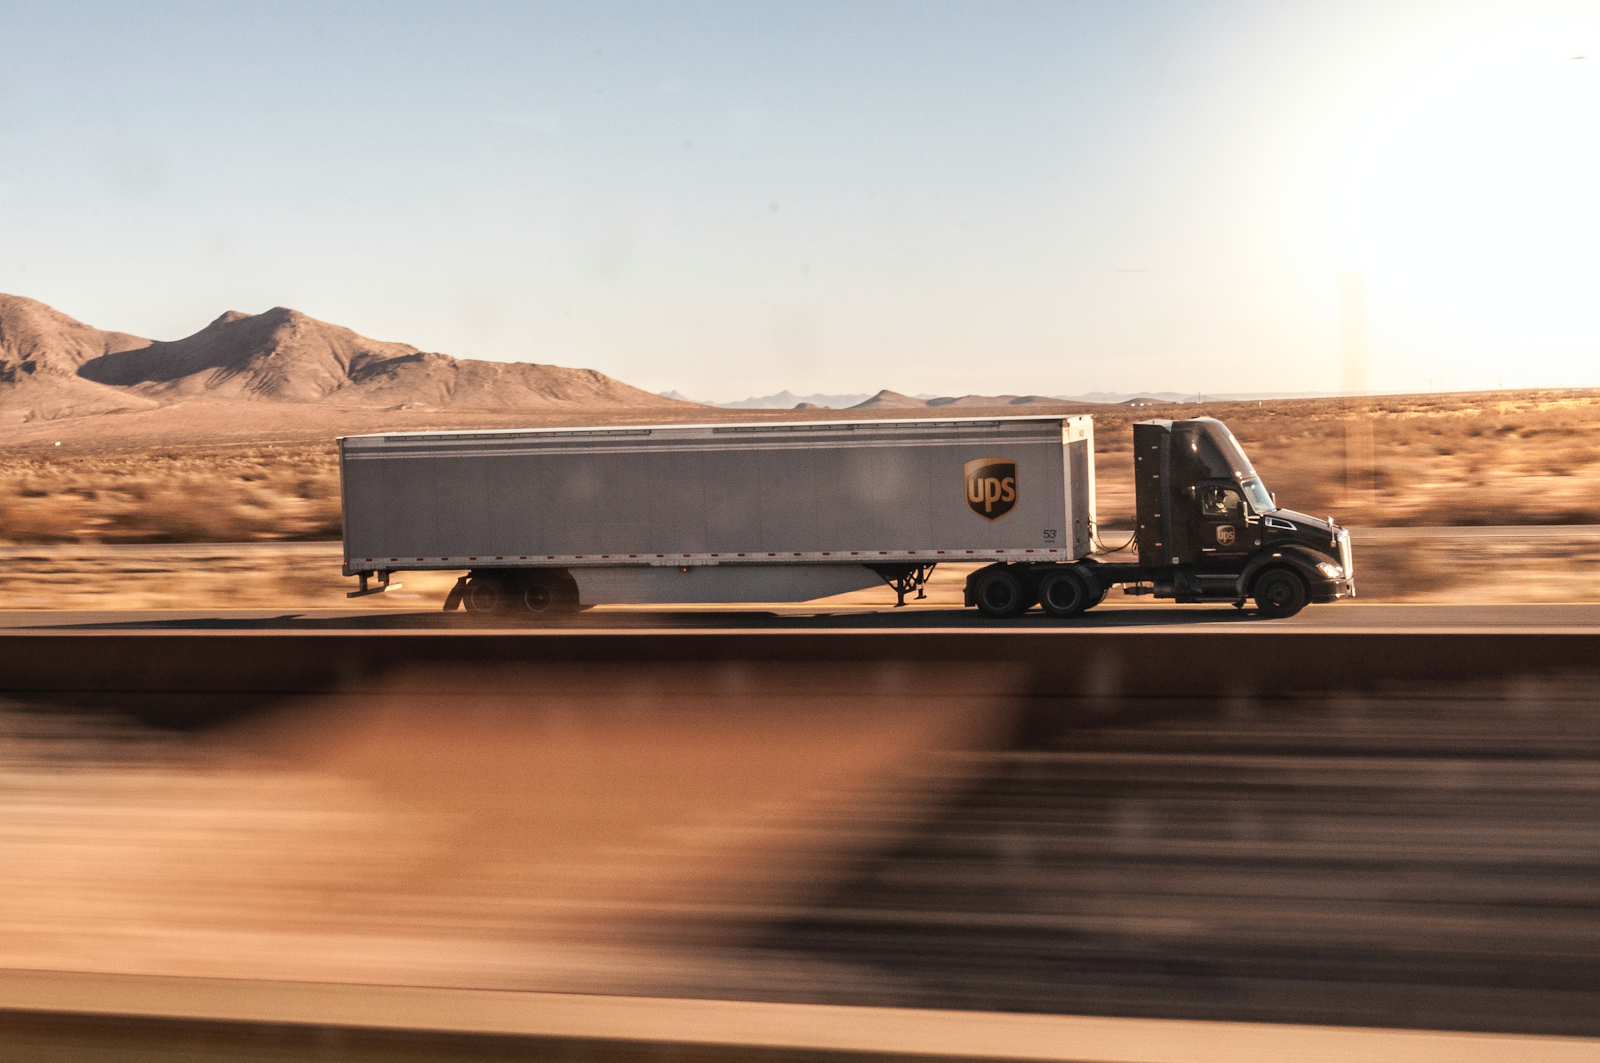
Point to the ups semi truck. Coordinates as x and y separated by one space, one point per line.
551 520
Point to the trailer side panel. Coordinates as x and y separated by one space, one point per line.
810 492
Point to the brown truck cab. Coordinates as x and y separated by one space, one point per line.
1208 530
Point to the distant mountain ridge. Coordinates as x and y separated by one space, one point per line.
54 367
892 400
783 400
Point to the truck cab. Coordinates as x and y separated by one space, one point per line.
1207 530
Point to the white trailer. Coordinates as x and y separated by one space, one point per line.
780 512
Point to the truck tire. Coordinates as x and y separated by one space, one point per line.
546 593
538 598
1065 593
484 596
1097 594
1000 594
1280 593
1097 590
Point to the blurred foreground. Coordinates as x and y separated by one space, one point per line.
510 827
1417 855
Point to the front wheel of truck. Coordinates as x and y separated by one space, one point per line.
1280 593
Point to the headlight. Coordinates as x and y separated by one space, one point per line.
1331 570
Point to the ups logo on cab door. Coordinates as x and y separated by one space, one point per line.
991 487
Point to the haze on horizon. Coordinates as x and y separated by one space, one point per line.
730 200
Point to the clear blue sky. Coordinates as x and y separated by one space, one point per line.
729 199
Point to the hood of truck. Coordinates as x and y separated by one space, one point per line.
1287 526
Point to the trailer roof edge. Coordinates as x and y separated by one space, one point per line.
929 421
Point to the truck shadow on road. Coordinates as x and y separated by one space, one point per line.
634 620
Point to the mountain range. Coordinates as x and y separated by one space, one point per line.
53 367
284 373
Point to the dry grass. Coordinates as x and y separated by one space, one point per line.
287 576
236 494
1484 458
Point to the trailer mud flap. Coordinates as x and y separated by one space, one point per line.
452 601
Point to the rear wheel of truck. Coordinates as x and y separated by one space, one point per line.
1065 593
1000 594
1280 593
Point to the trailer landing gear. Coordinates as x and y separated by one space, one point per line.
383 585
904 579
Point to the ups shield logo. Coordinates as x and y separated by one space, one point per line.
1225 535
991 487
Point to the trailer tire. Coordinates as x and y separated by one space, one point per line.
999 593
1064 593
1280 593
538 598
484 595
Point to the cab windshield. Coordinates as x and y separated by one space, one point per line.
1224 458
1256 491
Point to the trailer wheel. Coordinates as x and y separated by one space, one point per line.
1065 593
1280 593
484 595
537 598
1000 594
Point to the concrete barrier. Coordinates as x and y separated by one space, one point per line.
187 677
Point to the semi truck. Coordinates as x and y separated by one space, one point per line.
551 520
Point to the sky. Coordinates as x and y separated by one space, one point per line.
729 199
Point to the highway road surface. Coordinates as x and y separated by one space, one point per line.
95 1018
1340 616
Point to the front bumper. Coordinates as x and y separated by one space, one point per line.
1331 590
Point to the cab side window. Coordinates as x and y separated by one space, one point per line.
1219 502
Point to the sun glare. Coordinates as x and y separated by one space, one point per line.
1467 191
